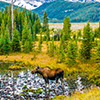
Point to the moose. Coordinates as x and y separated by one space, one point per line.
50 74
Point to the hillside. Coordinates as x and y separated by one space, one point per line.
3 5
78 12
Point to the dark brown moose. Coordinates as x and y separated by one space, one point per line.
49 74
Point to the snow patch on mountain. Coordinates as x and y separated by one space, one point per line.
28 4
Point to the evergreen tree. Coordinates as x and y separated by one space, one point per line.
26 36
1 44
97 31
2 28
98 52
86 46
20 23
5 16
16 18
1 18
79 35
7 43
52 48
66 28
26 47
16 47
40 42
71 53
45 22
10 21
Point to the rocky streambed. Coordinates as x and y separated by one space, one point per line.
24 85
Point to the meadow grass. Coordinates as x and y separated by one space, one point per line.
90 68
93 94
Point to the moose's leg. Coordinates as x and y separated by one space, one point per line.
62 85
56 86
46 81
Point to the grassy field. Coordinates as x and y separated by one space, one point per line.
93 94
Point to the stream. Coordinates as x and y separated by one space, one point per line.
24 85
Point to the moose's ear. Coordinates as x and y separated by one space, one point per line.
38 67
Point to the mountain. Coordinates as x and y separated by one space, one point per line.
28 4
33 4
76 11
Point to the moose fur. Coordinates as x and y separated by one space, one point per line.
49 74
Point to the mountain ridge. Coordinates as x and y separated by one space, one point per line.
33 4
77 12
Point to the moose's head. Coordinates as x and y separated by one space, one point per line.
36 69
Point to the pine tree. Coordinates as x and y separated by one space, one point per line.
26 47
20 23
45 22
10 22
16 47
7 43
16 18
26 36
2 28
66 28
98 52
86 46
52 48
40 42
79 35
1 44
71 53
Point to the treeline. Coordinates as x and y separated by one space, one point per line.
26 26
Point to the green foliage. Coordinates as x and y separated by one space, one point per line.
45 21
66 28
86 46
5 44
2 28
97 31
26 38
26 47
15 67
16 46
52 48
79 34
1 44
72 53
98 52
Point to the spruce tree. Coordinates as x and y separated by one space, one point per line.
1 44
2 28
86 46
26 36
71 53
16 47
98 52
52 48
66 28
40 42
10 21
79 35
45 22
7 42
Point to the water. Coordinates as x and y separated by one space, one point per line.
16 85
